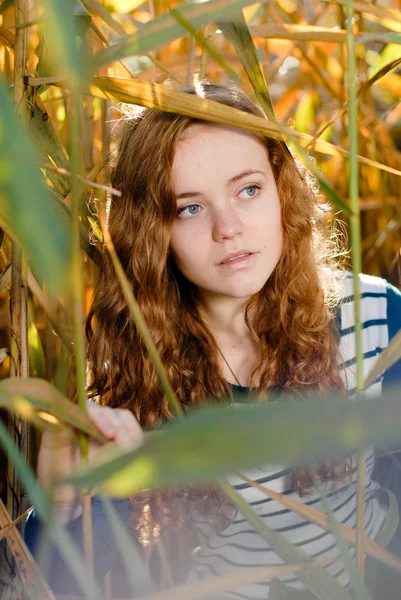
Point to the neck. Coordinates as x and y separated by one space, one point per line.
226 319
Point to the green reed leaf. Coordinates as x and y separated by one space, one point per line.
244 436
165 28
66 23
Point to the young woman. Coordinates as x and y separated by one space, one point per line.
222 237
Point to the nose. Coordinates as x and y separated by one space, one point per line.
227 224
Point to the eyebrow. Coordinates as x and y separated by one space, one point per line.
230 182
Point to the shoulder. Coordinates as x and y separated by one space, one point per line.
369 285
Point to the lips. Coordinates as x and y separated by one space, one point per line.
231 256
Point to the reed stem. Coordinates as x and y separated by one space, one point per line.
355 234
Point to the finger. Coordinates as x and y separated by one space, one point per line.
130 422
129 432
104 418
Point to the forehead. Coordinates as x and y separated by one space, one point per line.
217 151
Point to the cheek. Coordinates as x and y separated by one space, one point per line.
183 251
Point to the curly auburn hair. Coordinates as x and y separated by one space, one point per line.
294 311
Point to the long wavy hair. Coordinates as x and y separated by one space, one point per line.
294 312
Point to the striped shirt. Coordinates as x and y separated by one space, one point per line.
239 546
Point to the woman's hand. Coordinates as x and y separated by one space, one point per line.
59 456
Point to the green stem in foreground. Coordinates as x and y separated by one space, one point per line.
139 321
76 271
355 233
78 312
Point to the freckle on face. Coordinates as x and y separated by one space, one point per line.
228 219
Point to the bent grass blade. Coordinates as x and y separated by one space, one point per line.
386 359
316 516
225 583
153 95
318 581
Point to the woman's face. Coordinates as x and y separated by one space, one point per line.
227 203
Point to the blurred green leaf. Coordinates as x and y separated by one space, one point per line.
5 4
66 22
125 6
305 113
387 38
164 29
247 435
34 397
25 205
57 534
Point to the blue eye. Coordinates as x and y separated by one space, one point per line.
250 187
190 210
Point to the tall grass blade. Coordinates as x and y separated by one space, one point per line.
316 516
386 359
385 38
25 204
359 587
238 34
236 31
140 323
